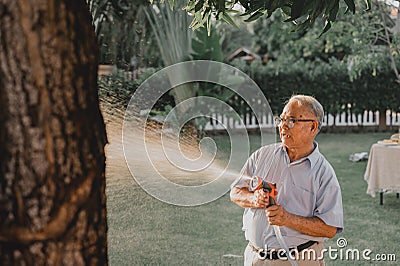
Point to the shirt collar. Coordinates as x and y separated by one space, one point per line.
312 157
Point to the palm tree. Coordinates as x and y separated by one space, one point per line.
174 40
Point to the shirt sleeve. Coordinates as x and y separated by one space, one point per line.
329 201
243 180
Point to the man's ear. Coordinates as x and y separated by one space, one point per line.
314 126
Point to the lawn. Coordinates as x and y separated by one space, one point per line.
145 231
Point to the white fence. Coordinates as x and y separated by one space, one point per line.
369 118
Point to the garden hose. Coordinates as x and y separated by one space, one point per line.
257 183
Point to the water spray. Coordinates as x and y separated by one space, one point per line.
159 165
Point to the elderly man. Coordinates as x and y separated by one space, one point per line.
309 202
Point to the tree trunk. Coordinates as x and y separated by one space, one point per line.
52 136
382 120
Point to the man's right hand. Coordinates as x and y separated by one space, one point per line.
260 199
249 199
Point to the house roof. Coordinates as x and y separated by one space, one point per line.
243 53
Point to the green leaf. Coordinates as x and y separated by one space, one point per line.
206 47
328 25
199 17
195 24
351 5
209 25
302 26
286 10
190 6
229 20
198 6
333 12
197 46
254 16
171 4
297 9
368 3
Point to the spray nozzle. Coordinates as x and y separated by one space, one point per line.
257 183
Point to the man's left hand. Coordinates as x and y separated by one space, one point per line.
277 215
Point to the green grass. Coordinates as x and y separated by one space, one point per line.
146 231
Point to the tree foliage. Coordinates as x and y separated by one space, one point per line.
304 13
355 55
174 40
329 82
350 60
123 33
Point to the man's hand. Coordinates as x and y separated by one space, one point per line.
260 199
249 199
277 215
312 226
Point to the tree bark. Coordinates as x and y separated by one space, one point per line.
52 136
382 121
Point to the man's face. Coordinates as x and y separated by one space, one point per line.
303 132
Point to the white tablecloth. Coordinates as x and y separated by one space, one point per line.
383 169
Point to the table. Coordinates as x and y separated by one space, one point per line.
383 170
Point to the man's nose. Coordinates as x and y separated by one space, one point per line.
284 124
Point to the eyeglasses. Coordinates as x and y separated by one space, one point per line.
289 121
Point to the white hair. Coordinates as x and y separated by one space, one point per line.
312 103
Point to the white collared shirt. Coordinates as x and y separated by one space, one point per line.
307 187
